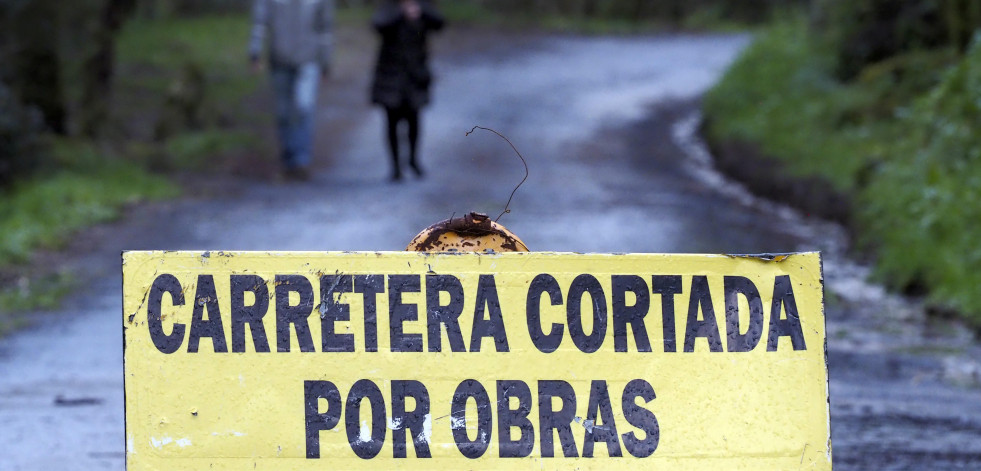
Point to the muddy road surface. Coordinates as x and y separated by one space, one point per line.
609 128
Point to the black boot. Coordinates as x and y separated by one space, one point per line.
416 168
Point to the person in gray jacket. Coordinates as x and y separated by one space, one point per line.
298 36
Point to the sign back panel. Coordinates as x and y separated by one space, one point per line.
540 360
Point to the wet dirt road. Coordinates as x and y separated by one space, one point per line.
609 129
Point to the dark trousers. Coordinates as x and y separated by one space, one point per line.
410 116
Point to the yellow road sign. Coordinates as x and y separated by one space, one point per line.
317 360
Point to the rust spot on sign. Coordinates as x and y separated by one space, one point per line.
473 232
766 257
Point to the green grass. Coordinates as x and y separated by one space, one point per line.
781 95
167 66
217 41
469 13
154 56
923 209
44 211
89 182
901 140
26 293
197 150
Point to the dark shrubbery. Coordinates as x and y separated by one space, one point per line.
164 8
20 137
865 32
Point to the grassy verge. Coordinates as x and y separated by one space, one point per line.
43 213
181 102
183 87
899 141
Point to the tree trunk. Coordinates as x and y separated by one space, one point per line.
34 64
98 67
590 8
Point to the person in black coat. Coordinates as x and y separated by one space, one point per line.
402 75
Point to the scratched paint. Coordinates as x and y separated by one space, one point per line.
492 361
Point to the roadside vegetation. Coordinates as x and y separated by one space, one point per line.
171 104
603 16
104 102
880 103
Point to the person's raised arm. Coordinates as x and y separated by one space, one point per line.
431 17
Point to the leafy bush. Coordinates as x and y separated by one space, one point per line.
781 95
923 208
901 139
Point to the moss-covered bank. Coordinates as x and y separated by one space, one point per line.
894 151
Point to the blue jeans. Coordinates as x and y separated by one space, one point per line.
296 99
